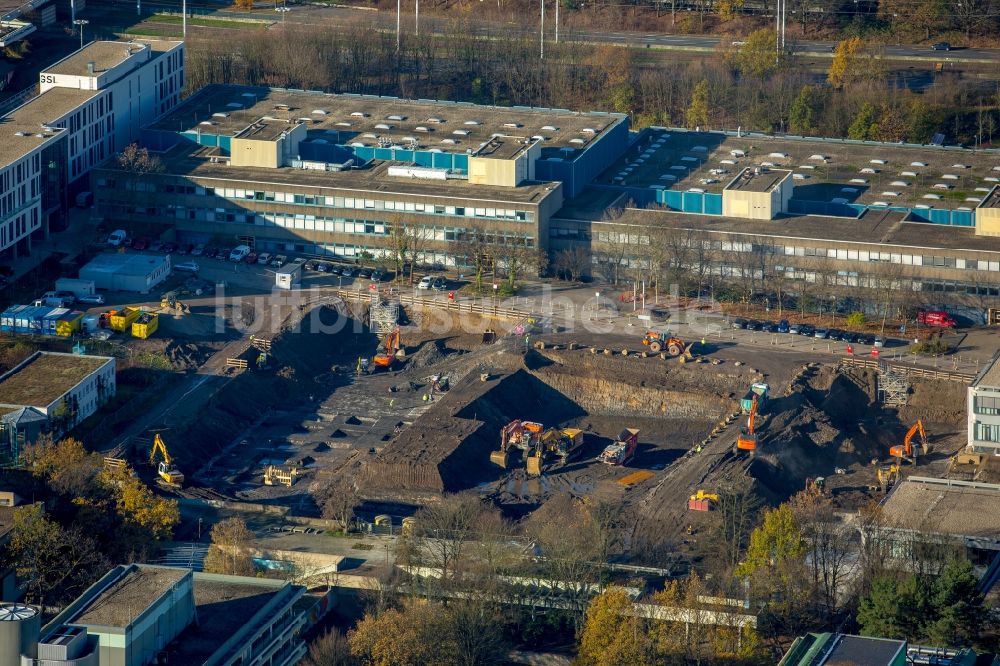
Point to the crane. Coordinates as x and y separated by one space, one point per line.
747 439
166 469
906 451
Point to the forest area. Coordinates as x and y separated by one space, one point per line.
853 94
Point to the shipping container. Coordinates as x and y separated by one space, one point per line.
145 325
121 320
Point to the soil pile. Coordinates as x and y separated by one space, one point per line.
430 353
935 400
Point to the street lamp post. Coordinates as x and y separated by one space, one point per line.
80 23
283 10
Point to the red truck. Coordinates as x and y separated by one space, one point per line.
935 318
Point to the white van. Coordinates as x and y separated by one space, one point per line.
239 253
117 237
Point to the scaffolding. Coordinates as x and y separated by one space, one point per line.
893 386
383 315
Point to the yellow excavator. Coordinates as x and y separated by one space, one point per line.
166 469
887 476
906 451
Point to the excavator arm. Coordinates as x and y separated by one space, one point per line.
159 447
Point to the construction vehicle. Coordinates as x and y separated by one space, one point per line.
747 439
658 341
623 449
761 391
565 444
702 501
387 353
169 474
906 451
887 476
524 435
275 474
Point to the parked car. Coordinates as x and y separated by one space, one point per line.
117 237
239 253
264 258
333 269
68 297
155 246
439 284
941 46
278 261
169 248
377 275
850 337
879 341
91 299
425 282
140 243
251 258
821 333
835 334
754 325
768 327
198 250
347 271
783 326
211 252
739 323
867 340
795 329
321 266
936 318
365 273
807 329
187 267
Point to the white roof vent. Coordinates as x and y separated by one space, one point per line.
383 126
512 125
248 94
220 115
356 144
343 123
435 121
319 112
588 130
472 122
421 128
234 105
395 117
460 132
578 142
550 128
450 142
359 114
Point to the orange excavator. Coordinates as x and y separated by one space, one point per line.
906 451
525 435
386 355
658 341
747 439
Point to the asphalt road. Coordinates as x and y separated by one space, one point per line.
311 14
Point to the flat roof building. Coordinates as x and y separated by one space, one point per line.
127 272
983 409
141 614
837 649
51 391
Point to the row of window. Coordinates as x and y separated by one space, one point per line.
986 432
355 203
987 405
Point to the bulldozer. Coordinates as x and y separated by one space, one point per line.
747 439
275 474
906 451
524 435
387 353
887 476
658 341
169 474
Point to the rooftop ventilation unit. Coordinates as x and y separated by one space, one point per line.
588 130
395 117
234 105
550 128
578 142
383 126
343 124
220 114
435 121
359 114
472 122
512 125
319 112
450 142
421 128
460 132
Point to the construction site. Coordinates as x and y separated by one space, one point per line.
364 389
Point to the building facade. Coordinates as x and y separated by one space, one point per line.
983 410
91 106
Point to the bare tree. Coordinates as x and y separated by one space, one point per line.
338 500
571 263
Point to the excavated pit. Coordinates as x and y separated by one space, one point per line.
447 449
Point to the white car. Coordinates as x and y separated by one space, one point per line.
264 258
425 282
91 299
187 267
117 237
239 253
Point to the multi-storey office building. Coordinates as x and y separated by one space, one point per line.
331 174
91 106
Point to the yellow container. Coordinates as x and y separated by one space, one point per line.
122 319
145 325
68 324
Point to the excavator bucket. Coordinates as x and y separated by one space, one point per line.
501 458
534 465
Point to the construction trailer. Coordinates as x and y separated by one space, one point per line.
623 449
127 272
289 276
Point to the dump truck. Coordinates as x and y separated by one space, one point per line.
524 435
121 320
747 439
658 341
761 391
623 449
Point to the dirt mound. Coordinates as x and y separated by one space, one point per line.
935 400
430 353
831 420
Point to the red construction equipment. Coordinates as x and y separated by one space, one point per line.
658 341
906 451
747 439
386 355
623 449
